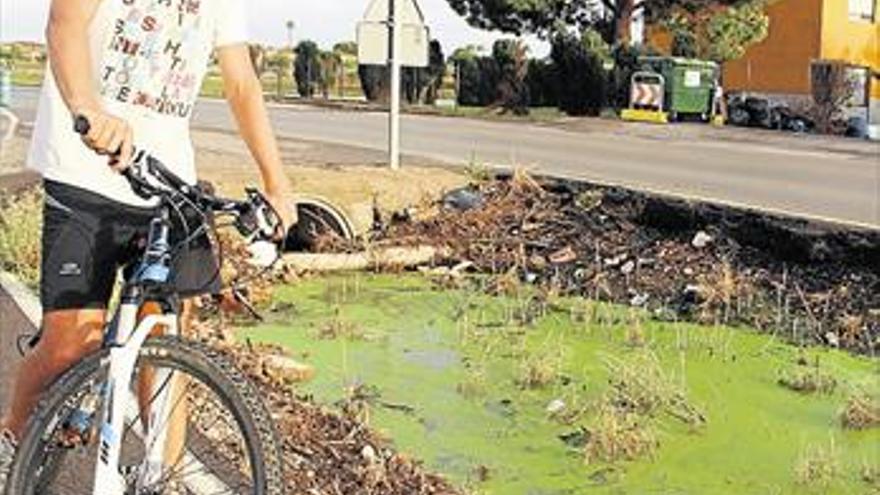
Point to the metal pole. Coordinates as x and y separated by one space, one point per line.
396 46
457 83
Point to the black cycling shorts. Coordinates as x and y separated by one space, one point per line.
87 238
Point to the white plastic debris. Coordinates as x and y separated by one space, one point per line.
701 240
555 407
369 453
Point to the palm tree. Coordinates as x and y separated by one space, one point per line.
330 63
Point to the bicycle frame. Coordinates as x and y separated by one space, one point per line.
124 337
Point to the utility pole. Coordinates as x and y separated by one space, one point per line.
395 49
290 27
457 82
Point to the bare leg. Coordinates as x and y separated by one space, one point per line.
176 434
68 336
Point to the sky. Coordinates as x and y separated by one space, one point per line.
325 21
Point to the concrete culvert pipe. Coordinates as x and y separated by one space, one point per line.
317 217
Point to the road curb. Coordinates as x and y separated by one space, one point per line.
20 313
26 301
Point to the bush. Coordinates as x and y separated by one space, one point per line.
511 58
374 82
478 80
20 226
417 85
307 68
581 76
542 84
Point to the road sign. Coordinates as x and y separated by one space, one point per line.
393 32
372 40
373 32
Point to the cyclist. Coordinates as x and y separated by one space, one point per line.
133 68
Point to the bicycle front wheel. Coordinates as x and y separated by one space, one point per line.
219 436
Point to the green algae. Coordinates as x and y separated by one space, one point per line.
446 365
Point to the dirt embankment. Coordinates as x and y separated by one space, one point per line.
808 282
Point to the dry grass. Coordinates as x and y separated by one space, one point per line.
639 392
619 436
541 367
819 466
340 328
20 226
869 474
808 380
474 384
861 411
720 291
640 385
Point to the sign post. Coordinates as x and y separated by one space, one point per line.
393 34
395 26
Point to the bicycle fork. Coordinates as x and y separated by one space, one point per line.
126 340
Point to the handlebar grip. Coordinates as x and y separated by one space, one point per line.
81 125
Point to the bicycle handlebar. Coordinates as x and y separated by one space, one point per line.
150 178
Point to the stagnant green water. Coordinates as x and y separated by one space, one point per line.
453 357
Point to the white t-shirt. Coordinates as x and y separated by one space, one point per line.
149 58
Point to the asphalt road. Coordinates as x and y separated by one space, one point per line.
802 176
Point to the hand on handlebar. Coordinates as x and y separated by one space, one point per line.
287 215
107 135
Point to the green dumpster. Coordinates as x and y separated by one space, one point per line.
690 85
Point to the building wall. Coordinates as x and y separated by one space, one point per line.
855 41
781 63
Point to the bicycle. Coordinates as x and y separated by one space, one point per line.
95 415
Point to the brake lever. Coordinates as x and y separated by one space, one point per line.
242 299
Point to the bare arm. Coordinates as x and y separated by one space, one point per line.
69 54
245 96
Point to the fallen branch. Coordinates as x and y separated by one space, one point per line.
393 257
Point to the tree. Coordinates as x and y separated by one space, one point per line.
581 76
721 33
832 90
543 87
418 84
543 17
549 18
468 75
307 68
279 62
511 57
349 48
436 72
330 64
374 82
732 31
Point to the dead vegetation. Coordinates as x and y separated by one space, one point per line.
808 379
819 466
541 366
326 452
861 411
870 475
20 224
619 436
626 417
805 282
340 328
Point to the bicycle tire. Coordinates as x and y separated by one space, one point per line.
214 369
